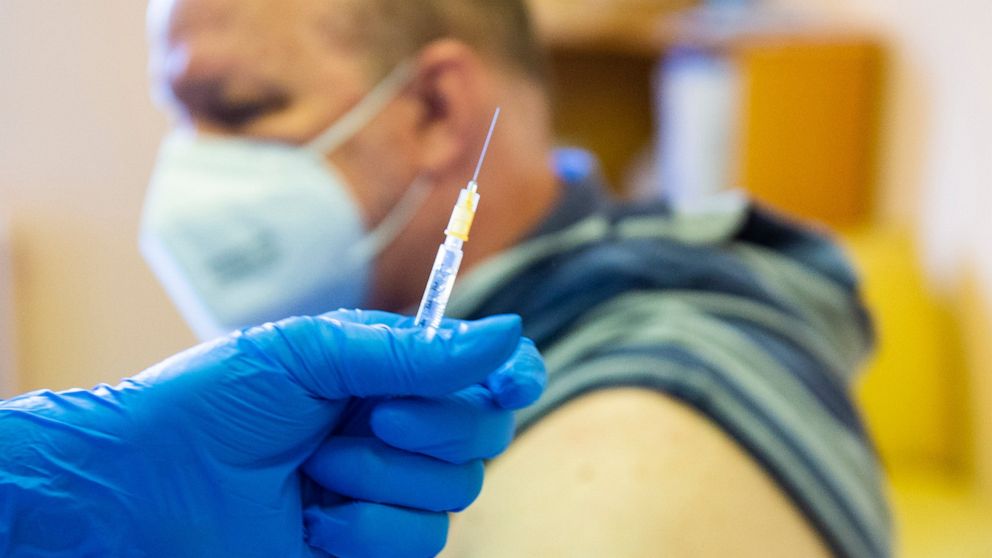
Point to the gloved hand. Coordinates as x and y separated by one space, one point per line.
451 434
202 454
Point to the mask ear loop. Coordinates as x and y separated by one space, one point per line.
393 224
344 129
361 114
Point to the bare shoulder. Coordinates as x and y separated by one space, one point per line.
630 473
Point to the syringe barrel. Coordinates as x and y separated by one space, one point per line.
440 284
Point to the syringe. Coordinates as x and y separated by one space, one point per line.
449 255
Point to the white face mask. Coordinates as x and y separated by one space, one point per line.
241 232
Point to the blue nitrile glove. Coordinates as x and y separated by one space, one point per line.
201 455
444 472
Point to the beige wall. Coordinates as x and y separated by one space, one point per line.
6 314
78 135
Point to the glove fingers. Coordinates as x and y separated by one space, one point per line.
456 428
521 380
335 359
375 530
369 470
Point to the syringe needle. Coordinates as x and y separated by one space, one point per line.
485 148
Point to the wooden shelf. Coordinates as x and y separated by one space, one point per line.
621 26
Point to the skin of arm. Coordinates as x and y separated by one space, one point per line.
630 473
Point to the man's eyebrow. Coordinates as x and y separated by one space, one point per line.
211 99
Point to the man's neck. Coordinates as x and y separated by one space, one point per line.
506 218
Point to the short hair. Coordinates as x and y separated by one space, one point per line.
500 30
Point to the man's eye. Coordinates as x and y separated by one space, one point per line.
235 114
213 101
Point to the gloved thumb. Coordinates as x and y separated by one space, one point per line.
334 358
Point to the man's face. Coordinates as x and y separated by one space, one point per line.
273 70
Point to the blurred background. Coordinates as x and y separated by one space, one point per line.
870 118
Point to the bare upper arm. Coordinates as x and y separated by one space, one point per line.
629 473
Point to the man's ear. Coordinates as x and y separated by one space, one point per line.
450 85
